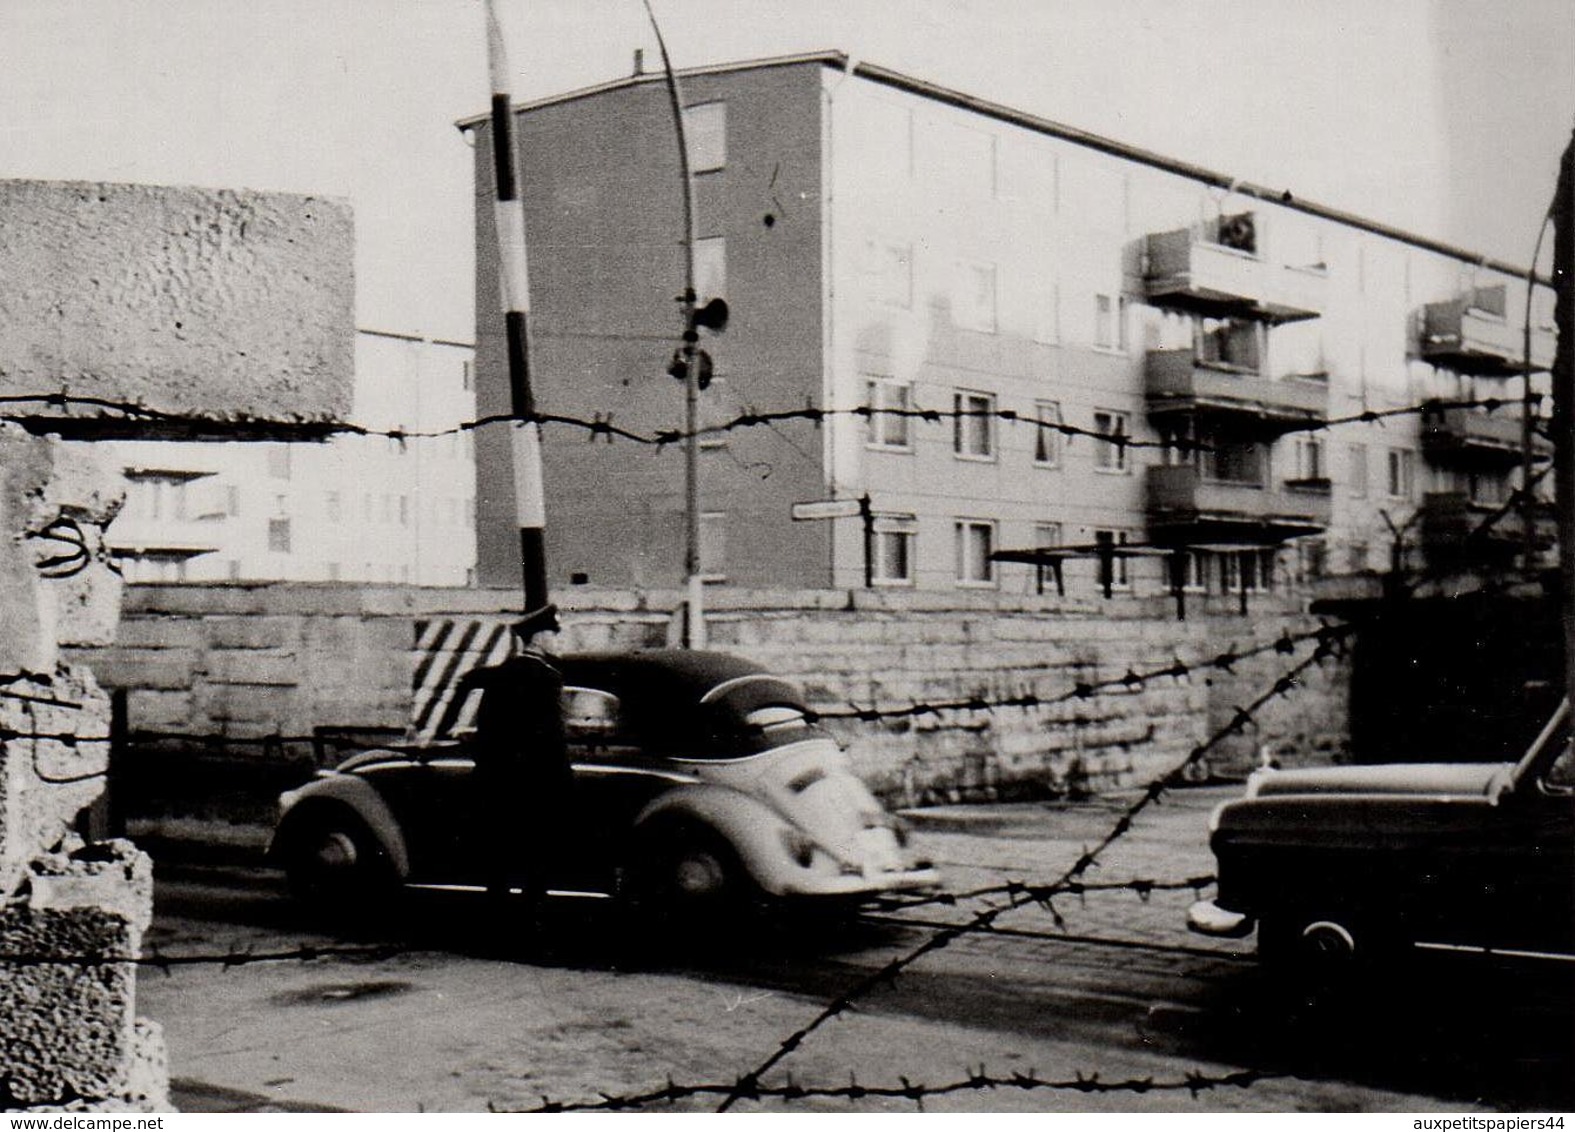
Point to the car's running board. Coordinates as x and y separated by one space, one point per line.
1507 952
572 893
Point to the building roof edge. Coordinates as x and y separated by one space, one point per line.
1002 113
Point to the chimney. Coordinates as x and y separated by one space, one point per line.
639 60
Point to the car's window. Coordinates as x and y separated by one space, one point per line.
589 714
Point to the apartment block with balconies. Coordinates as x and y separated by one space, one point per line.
1022 335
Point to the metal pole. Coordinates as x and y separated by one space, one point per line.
867 514
694 619
1563 392
1528 503
514 281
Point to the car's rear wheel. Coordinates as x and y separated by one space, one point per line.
683 877
335 864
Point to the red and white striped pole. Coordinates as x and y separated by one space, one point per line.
514 281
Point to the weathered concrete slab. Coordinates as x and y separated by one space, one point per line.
217 304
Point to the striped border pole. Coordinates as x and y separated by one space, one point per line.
514 281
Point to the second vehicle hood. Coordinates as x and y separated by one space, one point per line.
1471 780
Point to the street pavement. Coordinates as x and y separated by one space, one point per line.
1108 986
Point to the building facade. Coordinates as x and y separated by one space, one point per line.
352 508
1023 336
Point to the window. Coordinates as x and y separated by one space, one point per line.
1195 570
333 571
1046 536
1234 461
705 127
1047 436
1110 452
888 400
279 536
467 376
1314 558
975 544
1356 458
1245 571
1047 324
973 432
331 505
589 713
974 308
713 546
710 268
1110 323
888 273
1309 459
893 563
232 500
1488 489
279 461
1400 473
404 510
1356 556
1120 578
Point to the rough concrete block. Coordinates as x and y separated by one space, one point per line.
54 751
55 583
254 666
258 632
71 1034
211 303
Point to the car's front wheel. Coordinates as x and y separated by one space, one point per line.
335 864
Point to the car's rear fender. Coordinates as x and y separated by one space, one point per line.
345 792
750 826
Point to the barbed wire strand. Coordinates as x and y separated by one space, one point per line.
600 425
1193 1083
942 937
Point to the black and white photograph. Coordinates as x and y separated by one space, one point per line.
834 557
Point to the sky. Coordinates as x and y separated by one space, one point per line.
1445 117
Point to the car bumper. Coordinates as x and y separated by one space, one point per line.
860 884
1208 918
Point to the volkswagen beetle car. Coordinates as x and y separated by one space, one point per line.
1339 864
698 777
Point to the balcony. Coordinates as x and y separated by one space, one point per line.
1473 435
1185 507
179 538
1458 532
1471 334
1177 381
1188 271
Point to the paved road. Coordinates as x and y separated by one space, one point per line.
1108 985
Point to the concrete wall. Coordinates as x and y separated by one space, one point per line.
215 307
245 662
166 296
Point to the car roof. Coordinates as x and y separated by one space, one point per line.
683 676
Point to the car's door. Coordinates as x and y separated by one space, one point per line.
615 775
1537 896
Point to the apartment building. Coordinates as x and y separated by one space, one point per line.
352 508
1114 346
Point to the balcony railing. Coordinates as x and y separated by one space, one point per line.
1475 434
1180 497
1178 381
1463 336
1189 272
